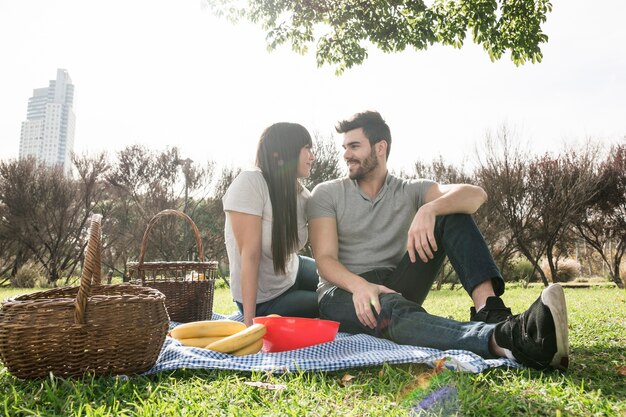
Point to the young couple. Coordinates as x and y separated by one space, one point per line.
378 243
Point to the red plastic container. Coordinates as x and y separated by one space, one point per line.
288 333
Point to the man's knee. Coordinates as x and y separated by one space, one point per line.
396 301
393 306
455 219
337 305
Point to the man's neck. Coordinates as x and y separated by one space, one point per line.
373 183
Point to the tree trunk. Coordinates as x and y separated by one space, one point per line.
617 279
617 260
553 267
18 262
544 279
534 262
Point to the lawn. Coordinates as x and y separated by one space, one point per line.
595 384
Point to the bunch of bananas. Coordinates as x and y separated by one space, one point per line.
224 336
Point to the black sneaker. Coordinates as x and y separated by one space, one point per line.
538 336
494 311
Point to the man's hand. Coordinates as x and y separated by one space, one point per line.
366 297
421 235
440 200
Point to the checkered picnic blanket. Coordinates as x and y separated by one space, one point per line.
346 351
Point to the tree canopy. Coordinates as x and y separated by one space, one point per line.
341 30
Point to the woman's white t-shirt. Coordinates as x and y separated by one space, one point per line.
249 194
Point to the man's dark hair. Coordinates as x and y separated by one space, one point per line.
373 125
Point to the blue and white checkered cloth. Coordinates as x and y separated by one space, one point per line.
346 351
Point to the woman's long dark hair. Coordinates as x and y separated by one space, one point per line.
277 155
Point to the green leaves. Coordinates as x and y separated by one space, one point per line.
341 30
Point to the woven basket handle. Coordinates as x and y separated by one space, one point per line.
91 269
168 212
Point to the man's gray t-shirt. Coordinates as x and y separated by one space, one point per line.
372 234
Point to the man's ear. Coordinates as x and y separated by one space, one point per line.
381 147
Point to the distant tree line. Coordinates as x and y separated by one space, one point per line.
541 208
44 214
545 207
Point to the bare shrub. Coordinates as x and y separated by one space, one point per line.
28 276
523 270
568 270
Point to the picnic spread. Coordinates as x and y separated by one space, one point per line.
123 329
346 351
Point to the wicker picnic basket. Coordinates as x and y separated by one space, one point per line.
93 328
188 286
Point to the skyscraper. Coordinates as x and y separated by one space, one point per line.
48 132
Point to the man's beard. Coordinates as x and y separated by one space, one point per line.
368 165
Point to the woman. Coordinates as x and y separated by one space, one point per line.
266 227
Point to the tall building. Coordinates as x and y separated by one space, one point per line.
48 132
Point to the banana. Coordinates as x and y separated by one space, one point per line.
207 328
199 341
251 349
239 340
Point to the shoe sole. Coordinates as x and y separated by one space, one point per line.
554 298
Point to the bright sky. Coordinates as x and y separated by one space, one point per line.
168 73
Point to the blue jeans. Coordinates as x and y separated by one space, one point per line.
298 301
402 318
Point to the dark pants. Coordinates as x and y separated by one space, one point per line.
402 318
298 301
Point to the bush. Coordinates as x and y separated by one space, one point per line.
523 270
220 282
28 276
568 270
447 275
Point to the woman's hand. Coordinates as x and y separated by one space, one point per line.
248 320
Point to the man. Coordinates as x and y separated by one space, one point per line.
379 242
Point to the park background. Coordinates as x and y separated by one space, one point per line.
171 100
177 99
171 73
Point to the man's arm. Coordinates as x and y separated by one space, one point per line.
325 244
439 201
455 198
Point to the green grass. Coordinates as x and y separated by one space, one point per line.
592 387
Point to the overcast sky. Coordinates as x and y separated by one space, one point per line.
168 73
